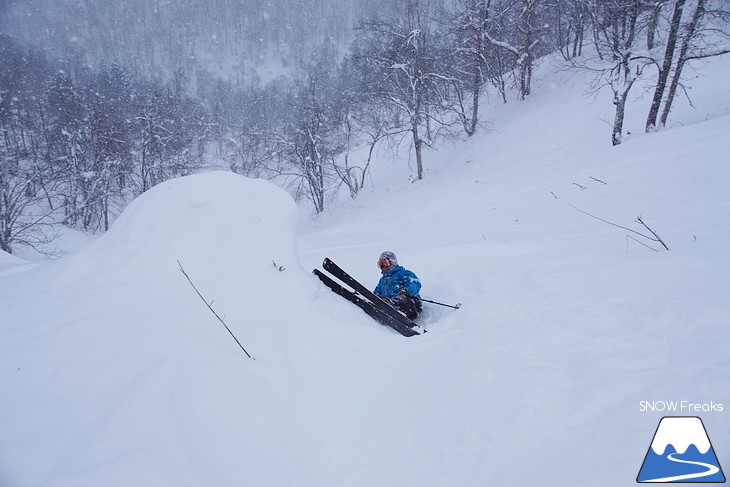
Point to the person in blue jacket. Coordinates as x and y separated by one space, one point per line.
398 286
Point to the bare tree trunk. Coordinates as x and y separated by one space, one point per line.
691 28
526 76
472 128
478 78
651 29
666 67
578 42
619 99
417 145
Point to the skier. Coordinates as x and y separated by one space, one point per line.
398 286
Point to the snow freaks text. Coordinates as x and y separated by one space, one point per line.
682 407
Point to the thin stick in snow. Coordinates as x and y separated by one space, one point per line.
212 310
655 237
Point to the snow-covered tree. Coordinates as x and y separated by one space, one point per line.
170 132
571 21
111 143
404 69
619 60
26 184
313 136
466 23
516 27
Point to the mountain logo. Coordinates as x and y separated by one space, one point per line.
681 452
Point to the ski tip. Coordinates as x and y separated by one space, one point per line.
418 329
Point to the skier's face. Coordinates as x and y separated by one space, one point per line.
385 264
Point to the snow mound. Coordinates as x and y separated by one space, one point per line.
132 364
234 237
214 219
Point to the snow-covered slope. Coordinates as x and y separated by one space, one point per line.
114 372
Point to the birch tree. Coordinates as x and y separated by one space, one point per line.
618 61
666 65
705 35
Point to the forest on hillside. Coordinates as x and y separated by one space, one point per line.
100 103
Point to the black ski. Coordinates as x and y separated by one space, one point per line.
366 293
368 307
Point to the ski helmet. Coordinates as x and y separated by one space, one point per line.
389 256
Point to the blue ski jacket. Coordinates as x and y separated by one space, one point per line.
395 280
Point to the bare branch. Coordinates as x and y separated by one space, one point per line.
658 239
655 237
212 310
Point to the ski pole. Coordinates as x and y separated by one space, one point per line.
454 306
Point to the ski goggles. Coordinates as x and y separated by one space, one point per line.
383 263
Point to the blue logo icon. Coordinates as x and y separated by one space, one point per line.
681 452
